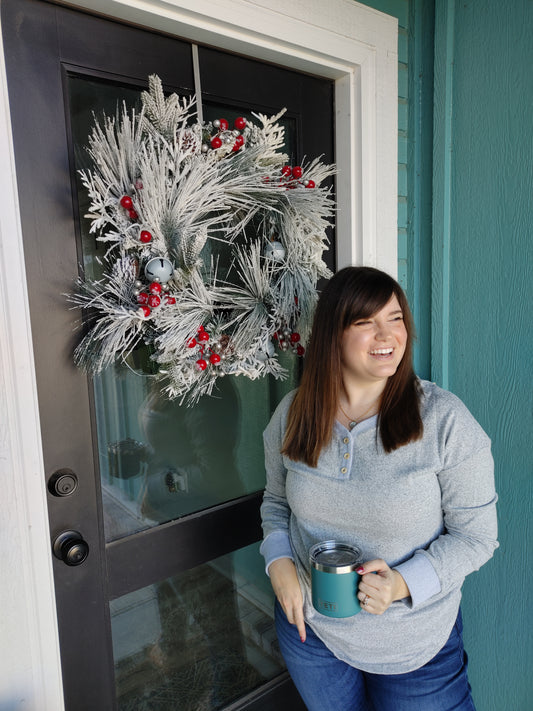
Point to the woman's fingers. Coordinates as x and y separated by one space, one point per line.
297 616
287 589
380 586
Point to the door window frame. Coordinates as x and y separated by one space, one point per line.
355 46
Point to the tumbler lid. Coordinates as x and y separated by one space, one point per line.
335 557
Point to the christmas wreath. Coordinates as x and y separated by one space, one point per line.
213 244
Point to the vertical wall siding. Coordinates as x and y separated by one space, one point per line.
415 135
488 337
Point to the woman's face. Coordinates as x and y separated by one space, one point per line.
372 348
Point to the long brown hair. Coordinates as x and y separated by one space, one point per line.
353 293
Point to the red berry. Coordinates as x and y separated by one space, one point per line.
154 300
170 300
214 358
294 337
126 202
216 142
203 336
236 147
310 184
297 172
240 123
133 214
224 125
275 336
155 288
300 350
144 311
191 342
286 170
201 364
199 329
142 298
145 236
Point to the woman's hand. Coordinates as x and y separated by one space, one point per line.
287 589
380 586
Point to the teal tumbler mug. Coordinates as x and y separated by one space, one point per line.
333 578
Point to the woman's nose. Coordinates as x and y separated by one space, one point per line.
382 331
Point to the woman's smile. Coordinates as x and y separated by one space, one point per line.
382 352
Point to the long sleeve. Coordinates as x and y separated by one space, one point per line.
469 510
468 501
275 511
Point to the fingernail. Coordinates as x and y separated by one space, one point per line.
302 639
360 570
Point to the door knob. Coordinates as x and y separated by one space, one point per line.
70 547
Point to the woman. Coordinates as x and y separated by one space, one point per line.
367 454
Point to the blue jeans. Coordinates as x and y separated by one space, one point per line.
326 683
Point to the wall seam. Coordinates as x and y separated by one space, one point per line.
442 189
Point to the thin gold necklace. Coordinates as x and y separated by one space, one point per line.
353 423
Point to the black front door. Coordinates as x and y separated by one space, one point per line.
170 609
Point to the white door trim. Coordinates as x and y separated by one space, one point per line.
339 39
30 673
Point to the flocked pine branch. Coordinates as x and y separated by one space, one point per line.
164 116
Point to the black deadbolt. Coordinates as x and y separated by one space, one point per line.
70 547
63 482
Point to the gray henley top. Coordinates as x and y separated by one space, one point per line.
427 508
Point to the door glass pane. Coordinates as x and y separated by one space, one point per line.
198 640
159 460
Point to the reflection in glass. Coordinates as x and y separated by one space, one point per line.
199 640
158 460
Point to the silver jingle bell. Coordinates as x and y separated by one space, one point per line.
275 251
159 269
265 352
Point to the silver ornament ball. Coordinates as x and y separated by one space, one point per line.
159 269
275 251
265 352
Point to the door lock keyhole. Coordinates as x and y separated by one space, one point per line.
71 548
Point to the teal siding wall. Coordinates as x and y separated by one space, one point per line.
483 296
465 225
